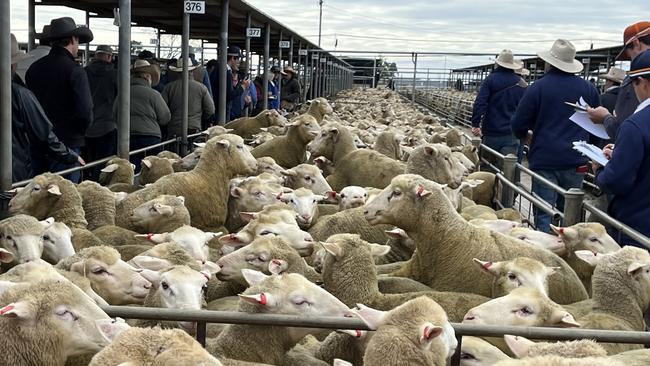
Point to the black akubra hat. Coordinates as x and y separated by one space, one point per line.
66 27
44 34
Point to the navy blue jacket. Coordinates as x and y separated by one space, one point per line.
542 110
626 104
627 174
497 101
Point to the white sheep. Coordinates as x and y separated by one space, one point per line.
22 236
193 240
57 241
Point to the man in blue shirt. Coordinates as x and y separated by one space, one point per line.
627 174
497 102
543 111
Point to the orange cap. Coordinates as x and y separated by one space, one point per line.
632 32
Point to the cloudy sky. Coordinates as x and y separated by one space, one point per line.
454 26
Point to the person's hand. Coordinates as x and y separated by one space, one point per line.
528 140
248 99
246 83
598 114
608 150
81 161
595 166
476 131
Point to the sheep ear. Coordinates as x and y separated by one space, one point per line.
199 144
253 277
20 309
518 345
120 196
248 216
563 319
471 183
47 222
133 167
79 267
224 143
420 192
208 269
333 249
263 298
565 232
430 150
396 233
278 266
6 256
373 318
231 239
111 328
236 192
634 268
428 332
110 168
379 250
147 163
54 189
339 362
333 196
335 133
156 238
164 210
551 270
289 172
265 129
592 258
149 262
488 267
151 276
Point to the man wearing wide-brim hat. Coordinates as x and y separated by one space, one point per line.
636 40
543 111
61 86
290 89
42 50
31 131
234 87
613 80
496 103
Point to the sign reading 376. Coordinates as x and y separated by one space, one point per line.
194 7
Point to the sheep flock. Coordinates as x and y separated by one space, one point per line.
361 206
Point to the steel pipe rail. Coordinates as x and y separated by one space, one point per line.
540 204
621 227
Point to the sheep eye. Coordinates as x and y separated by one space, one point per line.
594 239
526 311
204 288
512 276
99 271
36 188
307 178
342 196
8 237
240 146
72 315
164 285
467 356
302 302
267 232
46 237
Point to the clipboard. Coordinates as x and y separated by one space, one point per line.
576 106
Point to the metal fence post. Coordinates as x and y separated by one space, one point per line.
573 206
415 73
509 171
185 91
267 46
124 82
5 97
476 142
31 25
223 60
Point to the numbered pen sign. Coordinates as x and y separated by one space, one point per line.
284 44
194 7
323 60
302 52
253 32
329 63
314 56
585 60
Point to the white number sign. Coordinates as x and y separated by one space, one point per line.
284 44
253 32
302 52
194 7
314 56
323 60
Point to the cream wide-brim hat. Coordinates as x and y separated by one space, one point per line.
507 60
145 67
562 56
16 54
179 66
615 74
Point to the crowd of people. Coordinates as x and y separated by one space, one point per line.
508 114
62 111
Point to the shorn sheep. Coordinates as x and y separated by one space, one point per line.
446 241
161 214
290 150
246 127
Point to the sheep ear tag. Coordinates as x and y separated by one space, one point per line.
277 266
21 309
489 267
264 299
421 192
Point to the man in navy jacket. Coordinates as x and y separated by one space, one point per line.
543 111
497 102
627 175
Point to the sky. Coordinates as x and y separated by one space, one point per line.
441 26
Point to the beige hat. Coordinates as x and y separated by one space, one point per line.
16 54
615 74
507 60
179 66
523 71
562 55
147 68
289 69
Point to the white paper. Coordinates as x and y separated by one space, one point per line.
592 152
582 119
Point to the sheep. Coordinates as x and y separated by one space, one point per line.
319 108
518 272
75 324
478 212
250 195
98 203
154 168
213 131
22 236
590 236
349 274
442 237
453 137
305 203
499 225
470 152
351 197
539 239
165 255
193 240
246 127
475 351
205 188
289 293
523 348
401 247
267 164
484 193
57 241
154 346
162 214
415 333
290 150
464 160
168 155
306 176
191 160
388 143
325 165
117 170
114 280
349 221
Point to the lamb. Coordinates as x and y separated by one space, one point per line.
57 241
246 127
288 293
267 164
117 170
518 272
193 240
98 203
75 324
484 193
478 352
114 280
306 176
319 108
22 236
205 188
154 168
164 213
249 195
290 150
539 239
305 203
213 131
415 333
388 143
154 347
590 236
420 208
351 197
191 160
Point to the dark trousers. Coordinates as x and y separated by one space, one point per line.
99 148
138 142
56 166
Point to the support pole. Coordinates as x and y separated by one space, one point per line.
573 206
374 71
5 97
158 43
265 71
280 64
31 25
185 91
290 63
87 53
415 73
124 81
223 58
202 51
247 45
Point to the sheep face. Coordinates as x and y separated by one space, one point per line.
24 248
325 141
190 160
299 240
305 203
193 240
307 127
519 272
256 256
436 162
158 211
590 236
539 239
477 352
252 195
231 149
306 176
37 198
275 119
352 197
115 170
266 164
57 242
522 307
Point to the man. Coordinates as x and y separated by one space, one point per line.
61 87
101 135
274 87
613 80
200 73
234 88
36 54
543 111
30 127
627 174
636 40
497 102
239 105
290 89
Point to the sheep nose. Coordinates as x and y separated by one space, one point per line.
200 260
147 285
469 317
306 217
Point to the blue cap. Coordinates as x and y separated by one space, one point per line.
234 51
640 67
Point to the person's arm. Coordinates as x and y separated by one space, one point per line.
82 97
206 82
162 110
481 103
293 92
526 114
620 173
